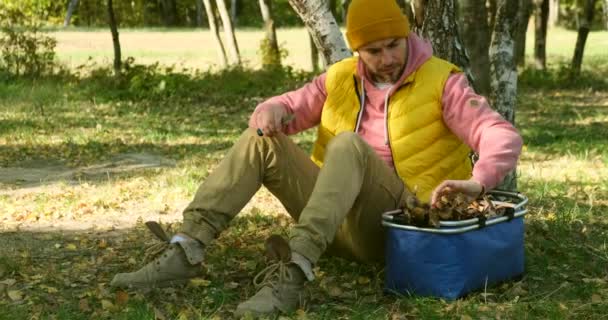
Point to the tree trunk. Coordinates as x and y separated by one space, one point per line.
273 56
169 12
553 13
606 13
115 39
477 40
68 15
540 33
523 17
199 13
324 30
216 32
314 54
491 4
503 70
581 39
233 47
436 21
234 11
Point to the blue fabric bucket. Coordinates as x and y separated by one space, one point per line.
455 259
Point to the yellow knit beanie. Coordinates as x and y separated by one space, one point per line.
372 20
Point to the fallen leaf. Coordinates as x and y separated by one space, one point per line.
159 315
83 305
71 247
107 305
363 280
197 282
15 295
465 317
596 298
335 291
121 297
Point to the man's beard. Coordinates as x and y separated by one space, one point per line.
389 77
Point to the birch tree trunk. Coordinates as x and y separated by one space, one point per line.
581 39
199 13
221 52
553 13
606 13
476 36
540 33
503 71
523 18
436 21
233 47
273 56
115 39
314 54
345 4
322 26
68 15
491 4
234 11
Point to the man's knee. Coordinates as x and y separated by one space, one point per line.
345 141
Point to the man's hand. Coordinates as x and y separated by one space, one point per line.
270 121
471 188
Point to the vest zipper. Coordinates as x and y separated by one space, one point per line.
361 97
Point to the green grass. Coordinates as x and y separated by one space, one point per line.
81 122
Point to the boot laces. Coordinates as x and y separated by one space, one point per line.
273 275
155 250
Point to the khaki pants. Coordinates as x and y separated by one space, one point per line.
338 206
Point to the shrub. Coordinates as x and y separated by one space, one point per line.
24 49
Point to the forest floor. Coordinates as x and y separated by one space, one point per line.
85 161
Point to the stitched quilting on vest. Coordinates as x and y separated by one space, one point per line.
425 152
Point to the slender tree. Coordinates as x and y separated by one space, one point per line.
199 13
606 13
540 33
221 52
476 36
503 70
523 18
68 16
323 27
436 21
583 31
115 39
234 11
273 56
314 54
553 13
491 4
230 38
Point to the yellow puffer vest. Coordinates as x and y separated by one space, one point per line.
425 152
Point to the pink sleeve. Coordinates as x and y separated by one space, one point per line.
305 103
470 117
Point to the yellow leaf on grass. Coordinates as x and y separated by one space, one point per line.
15 295
465 317
121 297
107 304
83 305
197 282
596 298
363 280
335 291
71 247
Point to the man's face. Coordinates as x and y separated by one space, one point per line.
385 59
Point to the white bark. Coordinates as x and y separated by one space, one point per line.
606 13
68 15
503 72
233 47
553 13
436 21
216 33
324 30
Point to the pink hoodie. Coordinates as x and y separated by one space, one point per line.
466 113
